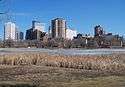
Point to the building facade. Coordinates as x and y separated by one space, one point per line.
113 41
58 28
29 34
9 31
36 32
21 35
50 32
36 25
37 35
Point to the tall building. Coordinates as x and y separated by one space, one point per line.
98 31
58 28
37 35
36 32
70 34
50 32
29 34
9 31
36 25
19 34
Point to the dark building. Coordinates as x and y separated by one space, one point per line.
58 28
79 36
34 34
98 31
29 34
84 41
50 32
113 40
21 35
38 35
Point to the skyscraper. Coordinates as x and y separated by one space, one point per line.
9 31
58 28
36 25
36 32
50 32
29 34
21 35
99 31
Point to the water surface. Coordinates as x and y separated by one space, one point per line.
62 51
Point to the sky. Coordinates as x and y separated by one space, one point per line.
81 15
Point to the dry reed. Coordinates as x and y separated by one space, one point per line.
102 62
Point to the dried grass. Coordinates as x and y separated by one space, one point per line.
103 62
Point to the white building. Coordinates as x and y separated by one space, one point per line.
9 31
70 33
36 25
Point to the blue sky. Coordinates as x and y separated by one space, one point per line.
81 15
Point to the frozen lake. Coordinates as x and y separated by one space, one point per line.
62 51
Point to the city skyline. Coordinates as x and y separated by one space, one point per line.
81 15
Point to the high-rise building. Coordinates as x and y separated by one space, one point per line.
29 34
9 31
36 35
17 33
21 35
99 31
58 28
36 32
70 34
36 25
50 32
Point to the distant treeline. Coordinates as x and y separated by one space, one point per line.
81 42
52 43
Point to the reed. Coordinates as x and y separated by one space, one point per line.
114 62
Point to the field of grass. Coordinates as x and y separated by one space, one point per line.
114 62
15 84
112 81
42 76
44 70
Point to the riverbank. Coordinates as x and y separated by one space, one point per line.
42 76
113 62
41 69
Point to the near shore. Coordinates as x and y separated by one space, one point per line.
44 70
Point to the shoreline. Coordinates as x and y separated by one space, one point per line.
109 62
42 76
68 52
38 69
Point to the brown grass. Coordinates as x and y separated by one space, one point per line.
104 62
43 76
